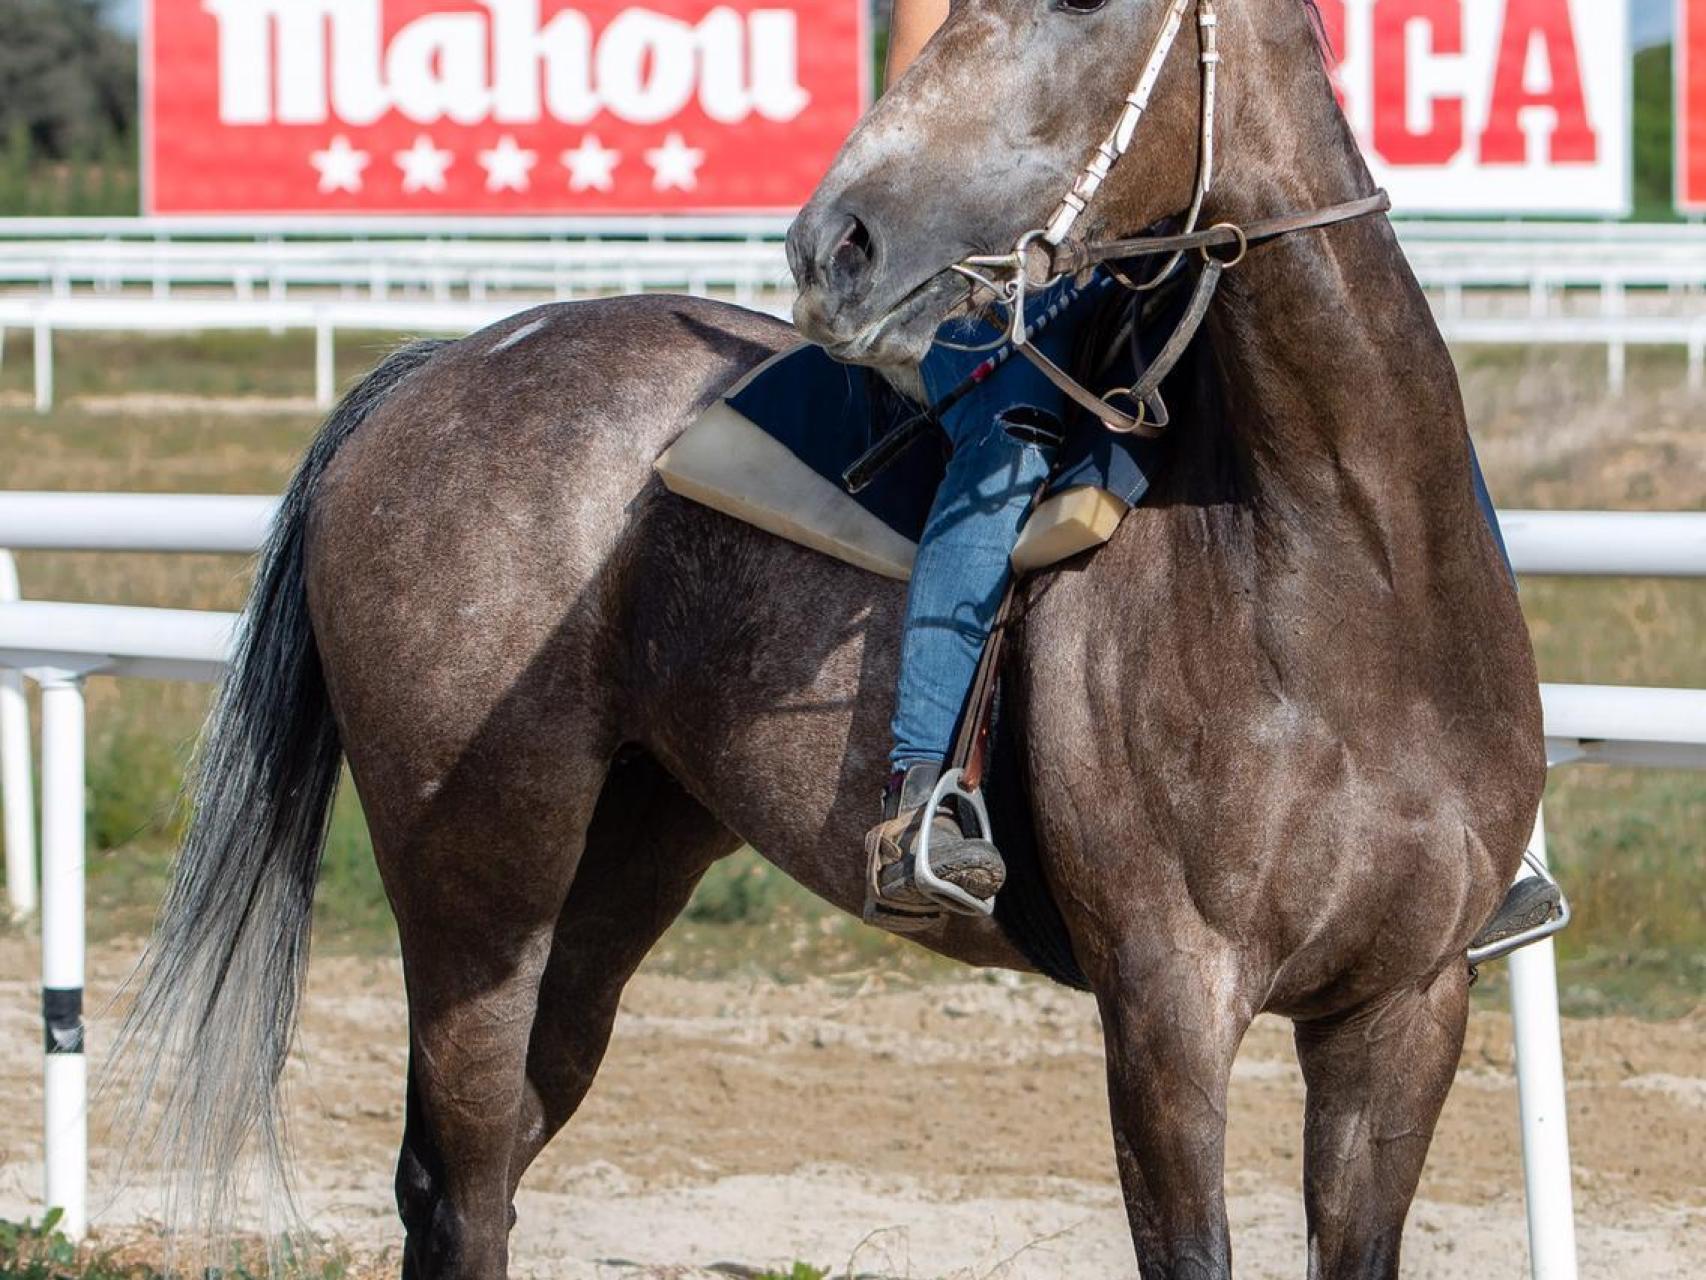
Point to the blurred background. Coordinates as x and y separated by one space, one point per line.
214 215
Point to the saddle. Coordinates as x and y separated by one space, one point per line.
833 457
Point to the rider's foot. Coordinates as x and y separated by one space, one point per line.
1530 903
891 897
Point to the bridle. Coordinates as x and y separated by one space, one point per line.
1009 276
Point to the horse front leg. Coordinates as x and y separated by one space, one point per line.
1377 1079
1172 1018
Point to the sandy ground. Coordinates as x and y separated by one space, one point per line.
752 1123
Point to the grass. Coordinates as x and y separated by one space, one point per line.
1630 844
40 1251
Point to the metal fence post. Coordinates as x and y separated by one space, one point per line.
325 362
1617 350
44 366
17 790
65 1072
1540 1100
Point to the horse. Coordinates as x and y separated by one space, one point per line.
1281 735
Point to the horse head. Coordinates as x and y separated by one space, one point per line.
987 131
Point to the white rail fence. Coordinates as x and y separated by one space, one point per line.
44 317
1535 258
1610 285
58 646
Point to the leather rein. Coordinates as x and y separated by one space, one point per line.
1049 249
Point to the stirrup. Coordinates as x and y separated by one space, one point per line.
1503 947
944 893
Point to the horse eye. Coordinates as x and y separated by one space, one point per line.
1077 6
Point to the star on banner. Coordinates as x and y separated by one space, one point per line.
424 165
507 165
592 165
340 166
675 164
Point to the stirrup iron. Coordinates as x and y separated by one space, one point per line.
944 893
1534 933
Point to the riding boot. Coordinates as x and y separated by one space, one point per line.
1530 903
892 900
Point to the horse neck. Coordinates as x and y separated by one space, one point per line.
1339 393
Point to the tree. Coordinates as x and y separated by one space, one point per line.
67 80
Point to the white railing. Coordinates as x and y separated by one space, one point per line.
47 316
60 645
44 317
1595 234
1545 267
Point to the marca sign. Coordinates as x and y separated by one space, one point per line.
1489 106
1691 105
497 106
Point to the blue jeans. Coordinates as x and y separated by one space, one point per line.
999 460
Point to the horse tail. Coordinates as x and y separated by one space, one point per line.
201 1052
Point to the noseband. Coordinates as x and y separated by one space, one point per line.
1008 276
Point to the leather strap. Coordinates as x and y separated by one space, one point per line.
1152 418
1071 258
971 745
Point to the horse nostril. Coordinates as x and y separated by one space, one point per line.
832 250
852 252
846 249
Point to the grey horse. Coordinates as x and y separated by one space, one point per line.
1281 736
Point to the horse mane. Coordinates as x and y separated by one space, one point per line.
1313 9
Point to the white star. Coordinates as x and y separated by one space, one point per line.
675 164
591 165
340 165
423 165
507 165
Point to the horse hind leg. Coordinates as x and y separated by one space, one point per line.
648 846
1376 1080
477 881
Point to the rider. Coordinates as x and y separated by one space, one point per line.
1003 434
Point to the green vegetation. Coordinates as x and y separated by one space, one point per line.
1630 844
40 1251
68 106
799 1271
1655 122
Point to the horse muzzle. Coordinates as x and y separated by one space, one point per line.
847 301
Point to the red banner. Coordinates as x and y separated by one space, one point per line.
1488 106
497 106
1691 105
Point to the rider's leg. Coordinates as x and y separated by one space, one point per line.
958 580
1003 436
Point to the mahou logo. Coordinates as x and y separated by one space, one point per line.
440 106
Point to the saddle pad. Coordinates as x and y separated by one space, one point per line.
772 450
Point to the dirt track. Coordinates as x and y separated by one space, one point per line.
754 1123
